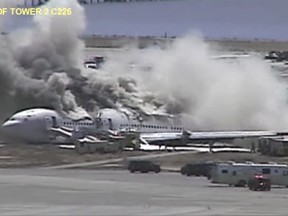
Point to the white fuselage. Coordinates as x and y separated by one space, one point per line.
120 120
33 125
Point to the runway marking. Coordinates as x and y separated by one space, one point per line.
92 163
27 210
6 157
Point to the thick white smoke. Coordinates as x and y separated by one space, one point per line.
42 66
211 93
217 94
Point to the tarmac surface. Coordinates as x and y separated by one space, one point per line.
37 191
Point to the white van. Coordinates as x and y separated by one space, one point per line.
238 174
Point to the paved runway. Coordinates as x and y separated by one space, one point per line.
85 192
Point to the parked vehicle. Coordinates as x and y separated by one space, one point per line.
95 63
143 166
238 174
272 55
197 169
90 64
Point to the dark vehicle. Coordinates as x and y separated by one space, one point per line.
99 60
272 55
143 166
259 183
283 56
277 56
197 169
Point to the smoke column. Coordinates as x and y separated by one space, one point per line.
211 94
42 66
36 63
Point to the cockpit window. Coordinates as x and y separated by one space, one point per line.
12 119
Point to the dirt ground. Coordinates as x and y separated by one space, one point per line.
47 155
22 156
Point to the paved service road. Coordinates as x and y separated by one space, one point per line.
88 192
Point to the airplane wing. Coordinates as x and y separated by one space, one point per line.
74 135
159 137
229 134
202 137
61 131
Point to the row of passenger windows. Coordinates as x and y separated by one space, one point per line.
78 123
264 171
149 126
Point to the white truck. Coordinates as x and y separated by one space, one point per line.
238 174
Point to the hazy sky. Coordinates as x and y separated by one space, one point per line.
249 19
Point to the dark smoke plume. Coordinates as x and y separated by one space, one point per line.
36 63
42 66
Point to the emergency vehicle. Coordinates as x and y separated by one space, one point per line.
259 183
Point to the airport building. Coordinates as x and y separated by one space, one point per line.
276 146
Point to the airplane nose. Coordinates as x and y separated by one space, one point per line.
9 127
12 129
9 124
